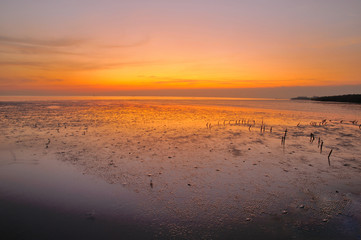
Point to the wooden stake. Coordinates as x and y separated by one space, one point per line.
329 162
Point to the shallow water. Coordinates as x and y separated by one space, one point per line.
153 168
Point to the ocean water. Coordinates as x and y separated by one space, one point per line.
182 168
330 109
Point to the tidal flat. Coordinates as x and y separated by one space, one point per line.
179 168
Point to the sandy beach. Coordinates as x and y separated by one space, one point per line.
180 169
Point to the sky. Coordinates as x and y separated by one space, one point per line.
238 48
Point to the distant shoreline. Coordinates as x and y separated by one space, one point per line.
349 98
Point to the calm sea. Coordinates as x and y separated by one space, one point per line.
330 110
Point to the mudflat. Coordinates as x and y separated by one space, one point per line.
180 169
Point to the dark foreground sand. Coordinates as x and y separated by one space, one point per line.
127 170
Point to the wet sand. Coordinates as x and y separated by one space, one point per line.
167 169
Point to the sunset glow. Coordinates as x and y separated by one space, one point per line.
91 47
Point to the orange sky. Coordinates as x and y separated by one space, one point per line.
91 46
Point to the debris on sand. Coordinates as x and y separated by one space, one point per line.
90 215
47 144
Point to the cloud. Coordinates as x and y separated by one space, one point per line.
12 81
35 50
60 42
63 46
31 46
64 54
17 80
73 65
231 82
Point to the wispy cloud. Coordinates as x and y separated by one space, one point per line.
30 80
36 50
42 47
74 65
64 53
59 42
17 80
232 82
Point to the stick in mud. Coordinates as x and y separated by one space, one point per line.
283 140
312 137
329 162
321 146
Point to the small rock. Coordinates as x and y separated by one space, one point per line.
149 175
248 219
284 212
302 206
189 184
325 220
